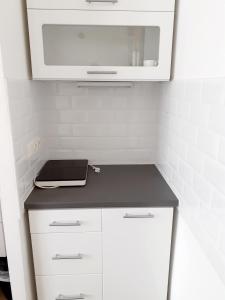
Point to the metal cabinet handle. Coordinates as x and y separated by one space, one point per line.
131 216
56 223
60 256
101 72
75 297
111 1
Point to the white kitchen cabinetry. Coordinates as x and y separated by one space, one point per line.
136 252
136 5
125 258
101 41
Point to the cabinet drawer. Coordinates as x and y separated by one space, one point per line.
134 220
71 220
69 253
134 5
69 287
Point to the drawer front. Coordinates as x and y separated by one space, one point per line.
69 287
69 253
71 220
137 239
134 5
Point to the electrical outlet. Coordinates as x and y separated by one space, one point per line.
33 147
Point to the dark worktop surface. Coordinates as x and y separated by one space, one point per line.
114 186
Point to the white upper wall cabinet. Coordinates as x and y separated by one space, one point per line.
136 5
101 45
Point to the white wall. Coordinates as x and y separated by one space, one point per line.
194 277
16 172
191 139
14 39
200 47
25 114
191 149
9 200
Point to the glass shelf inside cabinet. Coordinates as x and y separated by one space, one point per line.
83 45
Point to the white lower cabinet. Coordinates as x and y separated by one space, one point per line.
128 259
69 287
136 253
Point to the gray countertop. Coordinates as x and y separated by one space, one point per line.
115 186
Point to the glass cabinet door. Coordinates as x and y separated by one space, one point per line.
88 45
85 45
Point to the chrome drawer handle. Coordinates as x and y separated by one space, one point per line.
63 297
108 1
60 256
130 216
101 72
55 223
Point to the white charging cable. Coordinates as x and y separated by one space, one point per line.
96 169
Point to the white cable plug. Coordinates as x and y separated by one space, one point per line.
96 169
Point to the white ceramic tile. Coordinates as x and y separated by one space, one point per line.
70 116
215 173
217 119
208 142
222 150
214 91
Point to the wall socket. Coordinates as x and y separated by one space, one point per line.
33 147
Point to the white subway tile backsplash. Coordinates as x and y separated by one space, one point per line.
111 125
191 147
25 100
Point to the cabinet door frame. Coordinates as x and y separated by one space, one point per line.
164 20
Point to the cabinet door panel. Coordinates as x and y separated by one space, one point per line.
136 253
